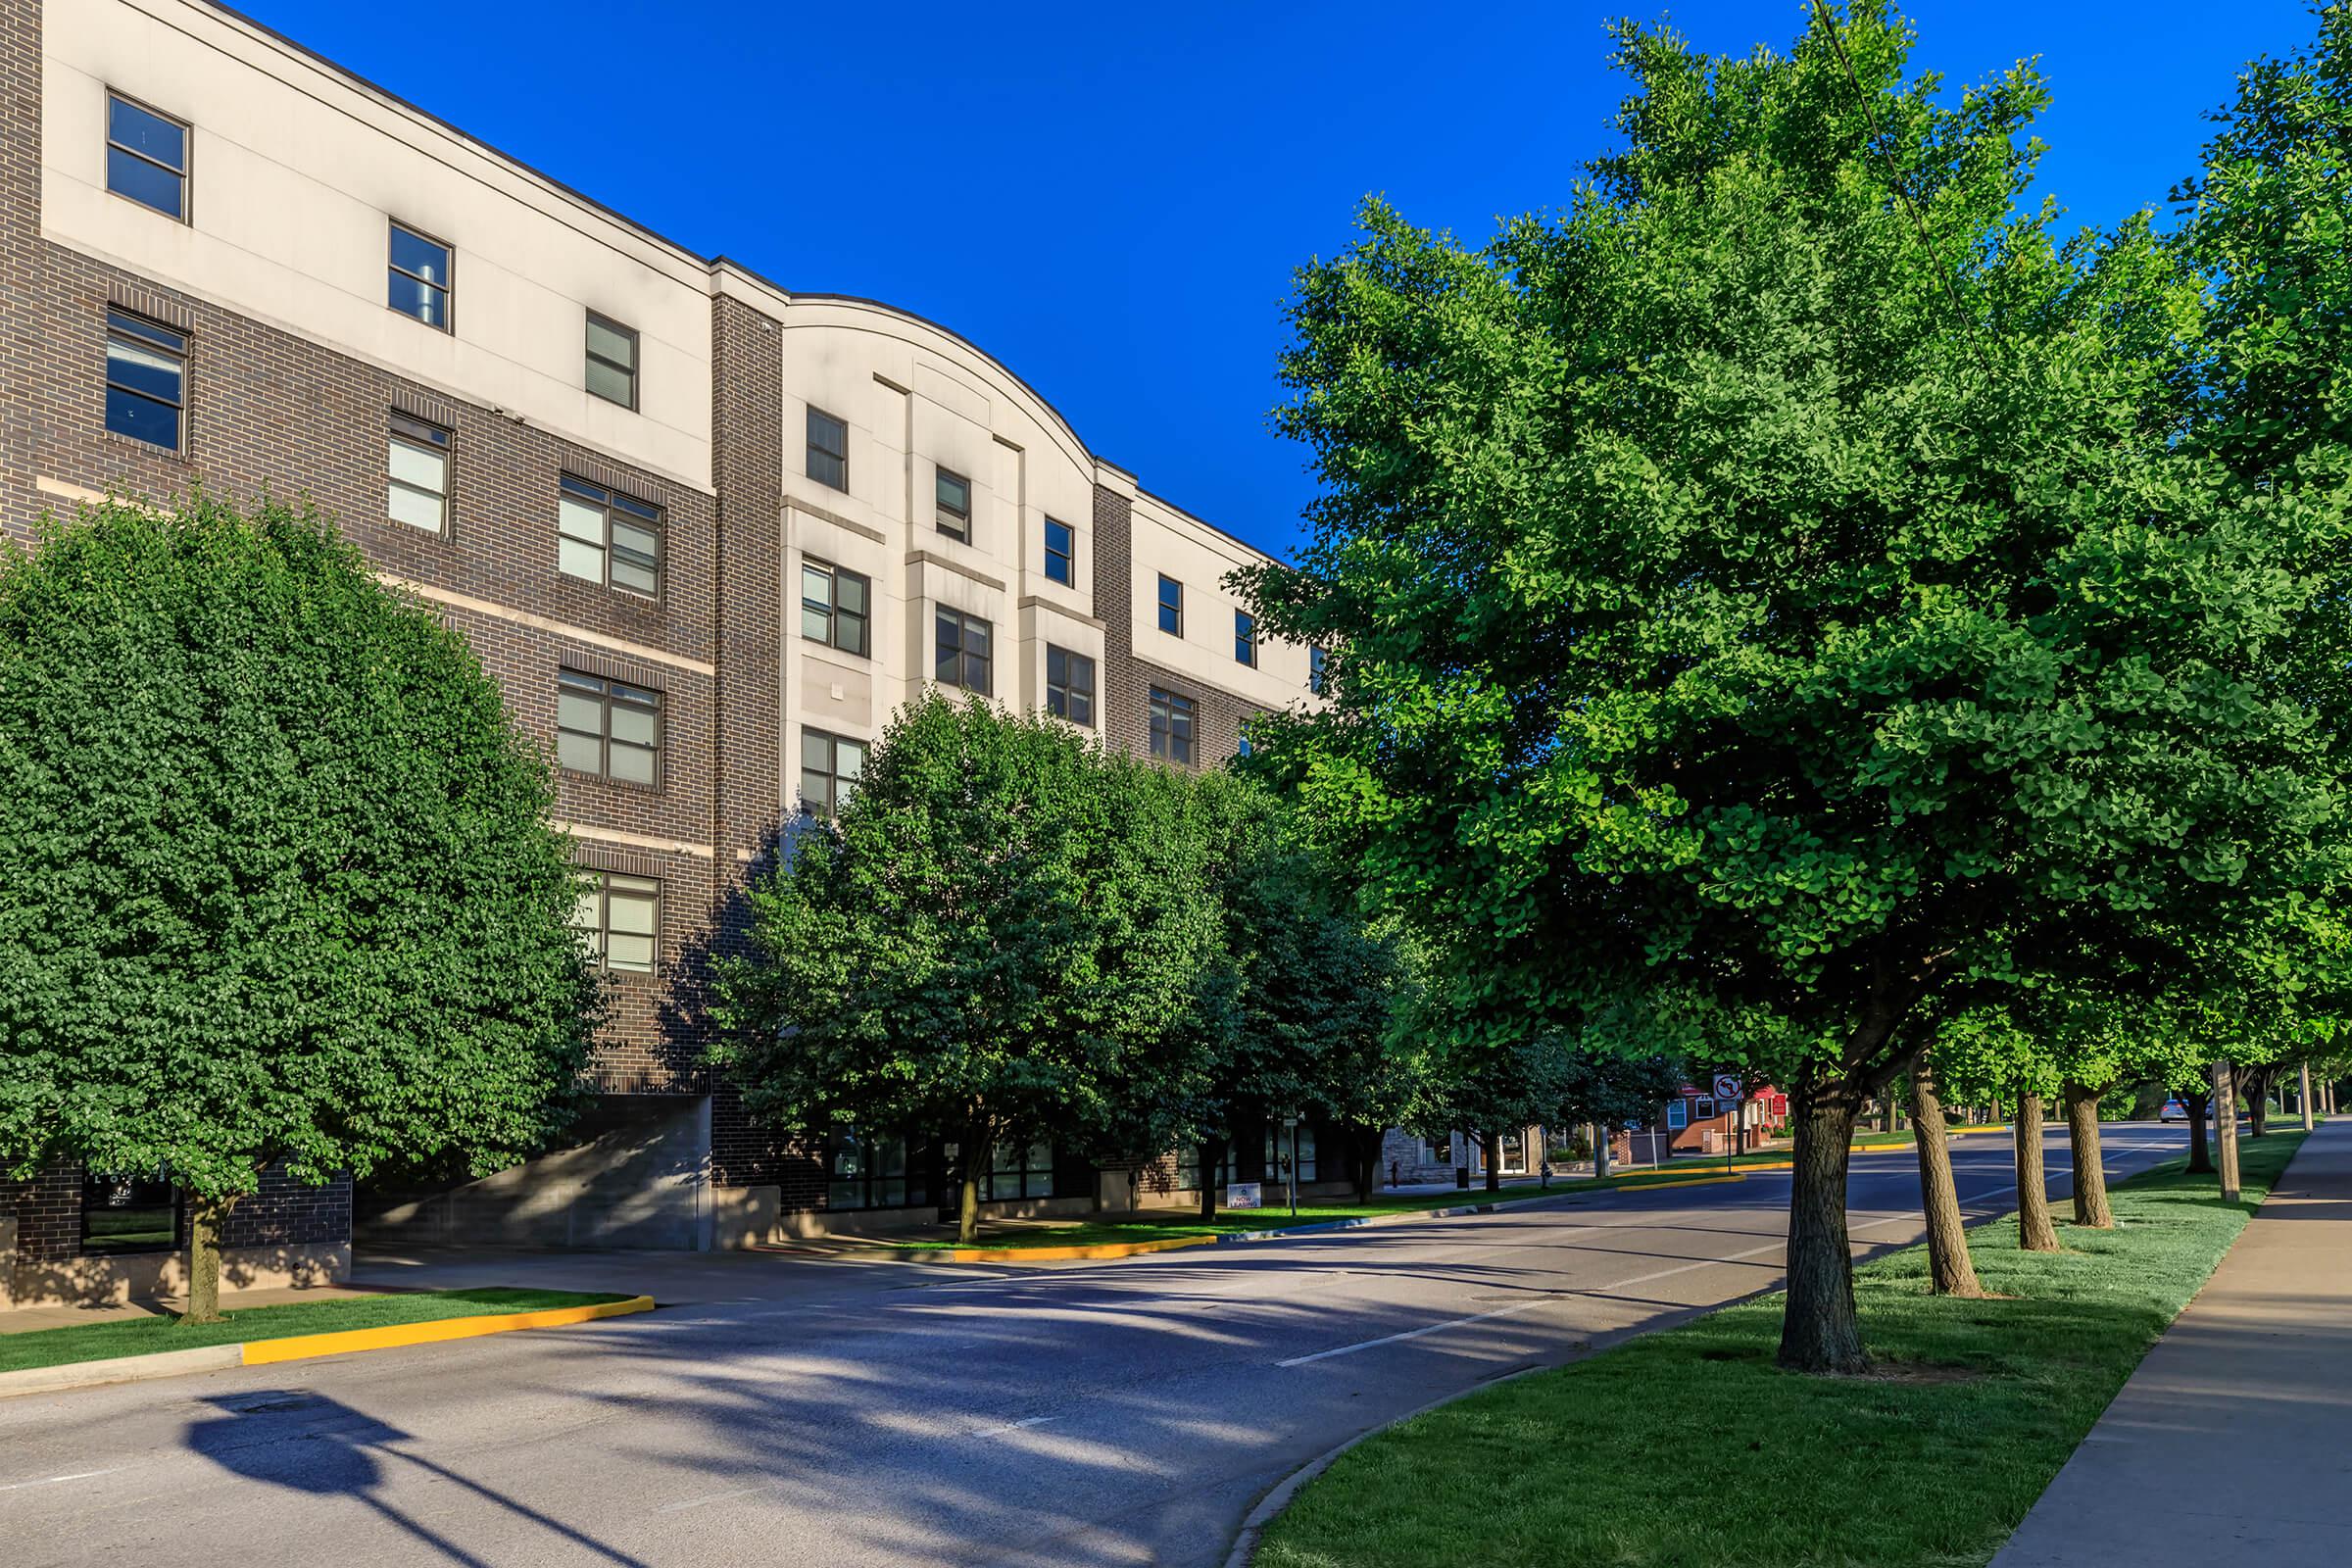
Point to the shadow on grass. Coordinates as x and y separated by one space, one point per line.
1934 1464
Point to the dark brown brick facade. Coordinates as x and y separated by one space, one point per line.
273 412
1128 676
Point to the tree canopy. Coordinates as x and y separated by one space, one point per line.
1005 931
1777 586
281 882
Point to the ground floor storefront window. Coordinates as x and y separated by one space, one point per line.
1278 1150
876 1170
1188 1167
135 1214
1019 1170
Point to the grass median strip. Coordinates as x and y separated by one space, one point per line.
150 1336
1625 1458
1242 1222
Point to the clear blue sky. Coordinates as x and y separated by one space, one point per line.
1111 198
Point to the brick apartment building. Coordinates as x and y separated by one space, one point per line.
708 534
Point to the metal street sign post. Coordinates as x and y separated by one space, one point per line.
1290 1124
1728 1086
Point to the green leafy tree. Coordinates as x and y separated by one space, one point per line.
1006 932
280 888
1310 1025
1777 583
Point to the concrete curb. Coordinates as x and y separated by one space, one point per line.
1404 1216
1100 1251
299 1346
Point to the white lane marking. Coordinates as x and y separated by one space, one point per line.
1612 1286
715 1496
1012 1426
1414 1334
51 1481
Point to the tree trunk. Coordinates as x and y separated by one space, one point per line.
968 1199
206 1217
2200 1152
2303 1094
1820 1330
1494 1148
2090 1167
1212 1164
2225 1127
1367 1164
2034 1232
2258 1102
1950 1271
1887 1112
1600 1152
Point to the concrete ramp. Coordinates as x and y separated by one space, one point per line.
641 1181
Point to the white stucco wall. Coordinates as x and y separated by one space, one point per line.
295 170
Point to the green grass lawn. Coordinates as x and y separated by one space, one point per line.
146 1336
1178 1222
1627 1459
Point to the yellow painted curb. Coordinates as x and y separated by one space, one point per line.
1618 1184
1056 1254
297 1347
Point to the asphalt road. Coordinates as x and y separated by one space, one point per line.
786 1411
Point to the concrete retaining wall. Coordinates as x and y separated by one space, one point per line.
643 1182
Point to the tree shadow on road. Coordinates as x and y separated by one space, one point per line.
308 1443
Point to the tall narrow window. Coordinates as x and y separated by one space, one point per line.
418 278
1171 726
828 450
146 380
830 768
611 361
964 657
1069 686
833 607
619 918
418 474
606 537
1315 659
1245 638
1171 606
1061 553
607 728
955 496
147 157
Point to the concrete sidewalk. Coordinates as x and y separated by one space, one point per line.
2232 1443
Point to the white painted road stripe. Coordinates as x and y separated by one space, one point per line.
1414 1334
51 1481
1612 1286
